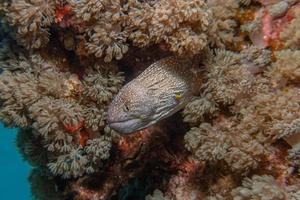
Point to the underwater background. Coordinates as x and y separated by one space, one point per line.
14 171
65 63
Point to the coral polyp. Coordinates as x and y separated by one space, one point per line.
237 136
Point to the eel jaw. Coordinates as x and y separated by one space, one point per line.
131 125
127 126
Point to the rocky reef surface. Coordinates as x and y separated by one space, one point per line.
62 62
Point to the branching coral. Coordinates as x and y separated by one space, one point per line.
240 135
293 193
259 187
31 20
157 195
107 28
255 58
101 83
264 187
87 9
11 96
104 40
222 31
227 79
107 38
53 103
275 110
78 162
238 150
262 109
195 111
272 26
168 24
286 69
291 35
270 116
54 120
230 76
181 24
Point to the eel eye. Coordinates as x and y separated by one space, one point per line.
178 96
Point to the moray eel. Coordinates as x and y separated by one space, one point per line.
158 92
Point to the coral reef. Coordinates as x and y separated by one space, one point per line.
63 61
263 187
290 35
240 152
31 20
65 111
157 195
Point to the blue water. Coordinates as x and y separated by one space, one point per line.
13 170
